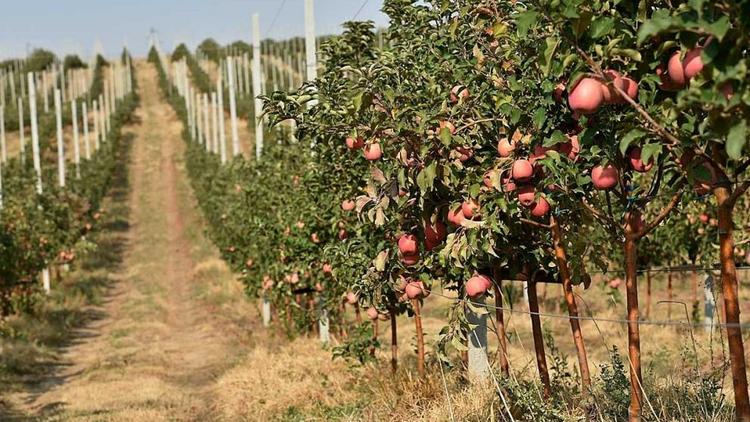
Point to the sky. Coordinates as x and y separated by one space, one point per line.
75 26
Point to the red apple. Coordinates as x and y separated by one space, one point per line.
522 170
327 268
434 234
586 97
347 205
477 286
372 152
571 148
459 92
464 153
414 289
693 63
675 70
372 313
410 259
508 184
470 208
446 124
634 157
505 147
343 234
704 218
354 143
539 153
540 208
314 237
604 177
407 244
351 298
455 216
526 195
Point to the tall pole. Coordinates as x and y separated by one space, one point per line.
233 108
76 149
310 47
21 130
35 134
222 134
256 87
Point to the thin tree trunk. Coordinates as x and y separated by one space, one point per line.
731 303
694 282
374 336
575 323
634 336
536 329
502 352
420 337
357 314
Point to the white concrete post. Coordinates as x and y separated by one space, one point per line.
35 134
233 109
97 135
222 134
709 305
76 148
258 110
86 142
214 124
60 139
21 130
310 44
477 317
206 123
3 146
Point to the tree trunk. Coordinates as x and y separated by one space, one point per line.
634 336
536 329
374 336
694 282
731 303
357 314
502 352
575 323
420 337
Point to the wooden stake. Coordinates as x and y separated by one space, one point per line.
394 341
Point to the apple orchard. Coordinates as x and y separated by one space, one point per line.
490 143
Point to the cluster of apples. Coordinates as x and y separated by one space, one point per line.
680 70
523 171
373 314
590 93
371 151
469 209
411 288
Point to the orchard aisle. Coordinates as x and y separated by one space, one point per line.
177 319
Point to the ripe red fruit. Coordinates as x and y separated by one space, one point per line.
410 259
314 237
327 268
434 234
586 97
347 205
372 313
351 298
455 216
354 143
372 152
675 70
407 244
693 63
526 195
727 90
704 218
508 184
477 286
464 153
634 157
459 92
609 92
470 208
604 178
505 147
522 170
414 289
540 208
343 234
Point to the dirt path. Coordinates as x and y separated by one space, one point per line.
176 320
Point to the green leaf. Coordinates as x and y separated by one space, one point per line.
540 116
426 177
660 20
601 27
581 25
628 139
545 61
526 20
736 139
719 28
649 151
445 136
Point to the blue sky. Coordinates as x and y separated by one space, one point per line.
66 26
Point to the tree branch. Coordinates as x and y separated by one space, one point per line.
534 223
662 214
738 191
